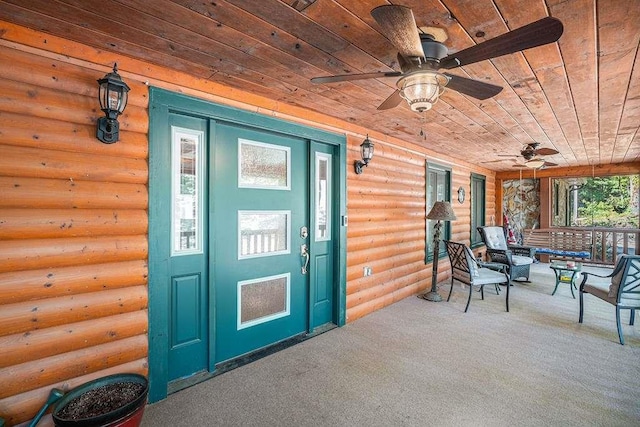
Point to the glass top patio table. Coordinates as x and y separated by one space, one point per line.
566 272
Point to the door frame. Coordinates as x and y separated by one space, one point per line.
161 103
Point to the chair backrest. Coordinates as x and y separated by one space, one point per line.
463 264
493 237
628 279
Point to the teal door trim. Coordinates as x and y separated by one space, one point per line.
161 103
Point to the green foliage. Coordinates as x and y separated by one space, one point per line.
607 201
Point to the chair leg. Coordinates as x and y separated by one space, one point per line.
632 318
619 325
497 289
482 291
581 305
469 299
450 290
508 283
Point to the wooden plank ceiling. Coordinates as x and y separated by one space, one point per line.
580 96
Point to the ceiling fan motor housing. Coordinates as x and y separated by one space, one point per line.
432 49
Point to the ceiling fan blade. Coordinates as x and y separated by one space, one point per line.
399 26
546 151
495 161
347 77
538 33
547 164
392 101
474 88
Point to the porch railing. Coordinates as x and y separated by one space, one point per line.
609 243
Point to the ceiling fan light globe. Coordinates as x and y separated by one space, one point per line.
534 163
422 90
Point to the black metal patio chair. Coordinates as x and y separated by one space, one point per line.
465 269
622 291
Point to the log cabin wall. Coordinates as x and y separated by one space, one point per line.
73 233
386 206
74 224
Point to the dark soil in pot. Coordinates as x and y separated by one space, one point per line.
101 400
116 400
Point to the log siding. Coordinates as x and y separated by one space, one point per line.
73 233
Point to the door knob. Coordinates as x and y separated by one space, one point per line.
304 253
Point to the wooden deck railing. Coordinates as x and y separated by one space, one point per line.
610 243
607 244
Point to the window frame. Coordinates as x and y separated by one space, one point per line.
443 172
477 201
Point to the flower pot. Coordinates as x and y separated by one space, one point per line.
127 415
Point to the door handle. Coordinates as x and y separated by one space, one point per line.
304 252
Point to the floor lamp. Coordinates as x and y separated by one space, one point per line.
441 211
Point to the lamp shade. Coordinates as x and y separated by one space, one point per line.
442 211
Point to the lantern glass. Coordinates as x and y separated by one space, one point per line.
113 96
366 150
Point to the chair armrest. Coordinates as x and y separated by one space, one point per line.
586 275
495 266
528 251
501 256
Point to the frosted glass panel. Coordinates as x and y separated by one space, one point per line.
263 299
323 196
263 165
186 185
263 233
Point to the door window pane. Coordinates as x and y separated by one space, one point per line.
186 185
263 299
263 233
323 196
264 166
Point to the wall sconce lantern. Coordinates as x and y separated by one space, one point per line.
366 152
113 95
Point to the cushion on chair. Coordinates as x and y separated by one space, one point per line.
521 260
600 292
495 238
487 276
615 283
473 267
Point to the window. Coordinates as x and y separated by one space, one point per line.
187 171
438 189
478 206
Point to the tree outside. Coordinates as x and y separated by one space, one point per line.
609 202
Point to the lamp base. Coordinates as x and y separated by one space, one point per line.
431 296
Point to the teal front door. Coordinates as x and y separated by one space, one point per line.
261 238
187 247
246 236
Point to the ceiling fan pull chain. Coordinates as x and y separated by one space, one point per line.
423 121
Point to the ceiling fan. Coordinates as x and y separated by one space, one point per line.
421 57
533 156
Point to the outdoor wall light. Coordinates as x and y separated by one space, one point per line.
113 95
366 152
